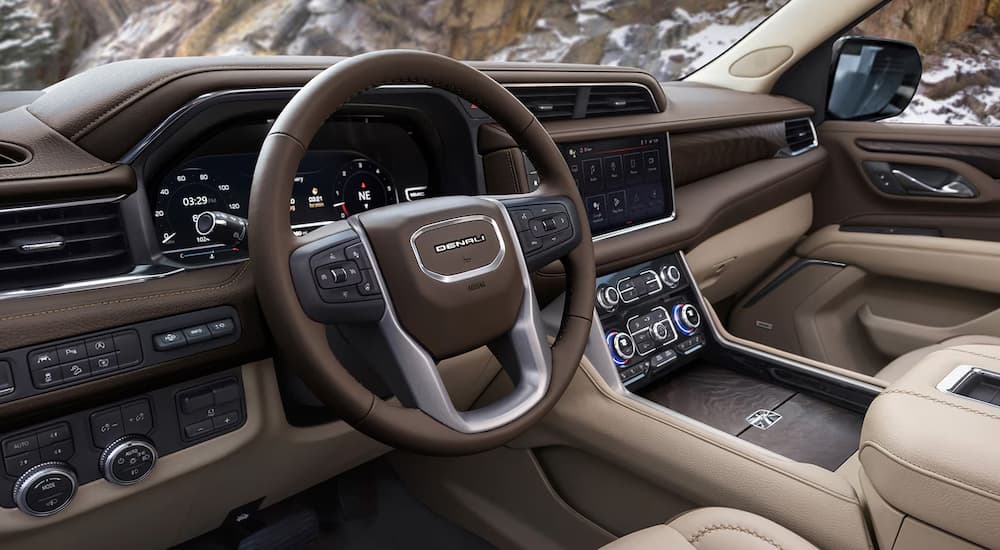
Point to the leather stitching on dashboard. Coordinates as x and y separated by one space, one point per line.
513 171
227 283
173 76
601 386
923 470
696 538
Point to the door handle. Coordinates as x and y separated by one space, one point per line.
954 189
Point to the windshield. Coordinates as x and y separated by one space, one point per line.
44 41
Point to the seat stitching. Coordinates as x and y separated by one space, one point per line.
924 470
939 401
702 533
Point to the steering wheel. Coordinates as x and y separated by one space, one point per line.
429 279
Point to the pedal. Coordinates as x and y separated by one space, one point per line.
292 532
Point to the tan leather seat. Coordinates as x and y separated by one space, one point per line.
714 529
902 364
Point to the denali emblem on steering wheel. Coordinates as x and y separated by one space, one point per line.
452 245
480 255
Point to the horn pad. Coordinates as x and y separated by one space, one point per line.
451 268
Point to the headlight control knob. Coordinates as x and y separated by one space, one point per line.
45 489
128 460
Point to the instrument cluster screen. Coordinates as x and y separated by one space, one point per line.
624 182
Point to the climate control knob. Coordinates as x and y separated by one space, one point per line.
622 347
671 275
128 460
608 297
45 489
687 317
662 331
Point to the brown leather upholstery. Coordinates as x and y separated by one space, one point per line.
902 364
714 529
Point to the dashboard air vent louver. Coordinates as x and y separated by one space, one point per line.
619 100
548 103
12 155
49 246
799 136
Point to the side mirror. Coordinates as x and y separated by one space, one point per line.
872 78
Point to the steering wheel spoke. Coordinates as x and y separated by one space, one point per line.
547 226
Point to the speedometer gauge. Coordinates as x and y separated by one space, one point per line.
362 185
181 199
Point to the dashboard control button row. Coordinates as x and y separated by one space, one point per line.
45 489
128 460
27 450
174 339
132 418
209 408
69 362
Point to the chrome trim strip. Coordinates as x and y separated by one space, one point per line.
462 275
138 275
959 375
66 204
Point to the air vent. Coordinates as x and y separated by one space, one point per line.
50 246
548 102
12 155
619 100
799 136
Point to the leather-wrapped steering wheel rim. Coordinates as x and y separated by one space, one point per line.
301 340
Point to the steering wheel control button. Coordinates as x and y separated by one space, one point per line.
545 227
356 253
106 426
45 489
196 334
169 340
369 284
128 460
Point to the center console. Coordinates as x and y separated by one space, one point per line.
651 322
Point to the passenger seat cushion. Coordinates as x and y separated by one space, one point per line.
902 364
714 529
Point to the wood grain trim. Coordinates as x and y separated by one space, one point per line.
699 155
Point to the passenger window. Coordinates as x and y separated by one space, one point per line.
958 47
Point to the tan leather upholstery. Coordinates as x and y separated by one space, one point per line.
933 455
714 529
902 364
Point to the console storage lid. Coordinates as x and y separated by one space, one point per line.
931 452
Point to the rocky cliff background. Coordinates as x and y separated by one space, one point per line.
669 38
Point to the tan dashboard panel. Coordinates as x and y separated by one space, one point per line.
198 486
959 263
730 261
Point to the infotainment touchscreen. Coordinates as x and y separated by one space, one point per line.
624 182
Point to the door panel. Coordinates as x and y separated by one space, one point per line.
889 270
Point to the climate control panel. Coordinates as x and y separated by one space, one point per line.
651 321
